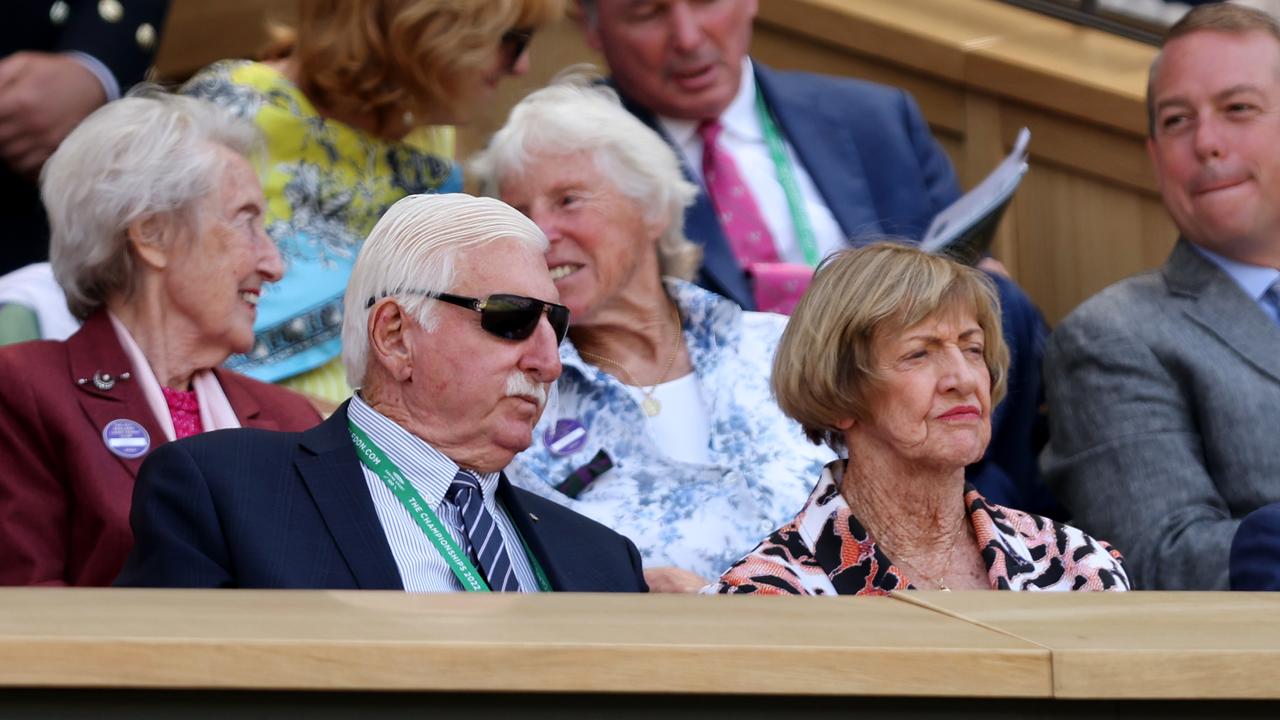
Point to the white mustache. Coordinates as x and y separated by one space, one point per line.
519 385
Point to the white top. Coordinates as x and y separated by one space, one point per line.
699 516
743 138
683 428
33 287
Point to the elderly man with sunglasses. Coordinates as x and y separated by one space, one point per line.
451 338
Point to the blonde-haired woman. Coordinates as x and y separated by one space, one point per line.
351 101
895 358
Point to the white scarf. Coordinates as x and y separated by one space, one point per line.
216 412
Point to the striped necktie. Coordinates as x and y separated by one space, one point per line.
486 548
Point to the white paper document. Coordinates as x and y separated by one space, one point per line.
980 208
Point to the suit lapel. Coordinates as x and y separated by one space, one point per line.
245 404
94 351
542 546
1216 303
826 145
332 473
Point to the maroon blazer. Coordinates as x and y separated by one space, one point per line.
64 496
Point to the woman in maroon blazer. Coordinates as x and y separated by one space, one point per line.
157 240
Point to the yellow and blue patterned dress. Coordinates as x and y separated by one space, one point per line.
326 184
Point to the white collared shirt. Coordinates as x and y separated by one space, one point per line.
422 567
743 138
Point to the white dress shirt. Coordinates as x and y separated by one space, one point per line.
422 567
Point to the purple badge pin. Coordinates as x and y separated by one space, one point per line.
565 438
126 438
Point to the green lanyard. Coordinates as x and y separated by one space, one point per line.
472 581
787 177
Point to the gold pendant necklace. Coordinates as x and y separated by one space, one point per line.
951 552
648 403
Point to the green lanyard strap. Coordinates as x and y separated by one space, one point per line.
372 457
787 178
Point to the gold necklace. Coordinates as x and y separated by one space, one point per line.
941 581
650 404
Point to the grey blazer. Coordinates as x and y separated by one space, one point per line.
1164 407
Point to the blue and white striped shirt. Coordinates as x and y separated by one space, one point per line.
422 568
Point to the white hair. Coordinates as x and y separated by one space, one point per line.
149 154
414 246
577 113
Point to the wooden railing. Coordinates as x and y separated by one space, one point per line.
650 649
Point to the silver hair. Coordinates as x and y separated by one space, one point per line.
578 113
149 154
414 246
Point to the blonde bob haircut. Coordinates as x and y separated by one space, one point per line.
387 57
825 368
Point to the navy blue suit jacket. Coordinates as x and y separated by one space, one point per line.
873 159
1255 551
258 509
868 150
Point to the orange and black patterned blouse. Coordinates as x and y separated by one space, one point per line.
826 551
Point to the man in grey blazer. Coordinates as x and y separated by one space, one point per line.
1164 389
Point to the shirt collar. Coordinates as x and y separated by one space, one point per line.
1255 280
739 119
429 470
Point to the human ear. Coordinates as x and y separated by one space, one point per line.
149 239
388 339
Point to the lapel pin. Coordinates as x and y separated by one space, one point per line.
103 381
126 438
535 517
565 438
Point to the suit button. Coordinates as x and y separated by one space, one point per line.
110 10
146 36
58 12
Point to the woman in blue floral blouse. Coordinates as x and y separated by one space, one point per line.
664 429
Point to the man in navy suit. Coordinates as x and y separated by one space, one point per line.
828 161
450 334
1255 551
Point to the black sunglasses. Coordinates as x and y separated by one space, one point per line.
514 43
512 317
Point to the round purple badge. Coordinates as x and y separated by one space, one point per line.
565 438
126 438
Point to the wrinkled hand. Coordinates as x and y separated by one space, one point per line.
43 96
994 266
673 580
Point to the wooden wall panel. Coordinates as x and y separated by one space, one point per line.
1088 213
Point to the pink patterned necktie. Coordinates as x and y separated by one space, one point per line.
184 408
777 285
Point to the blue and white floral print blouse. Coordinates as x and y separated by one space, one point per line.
699 517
